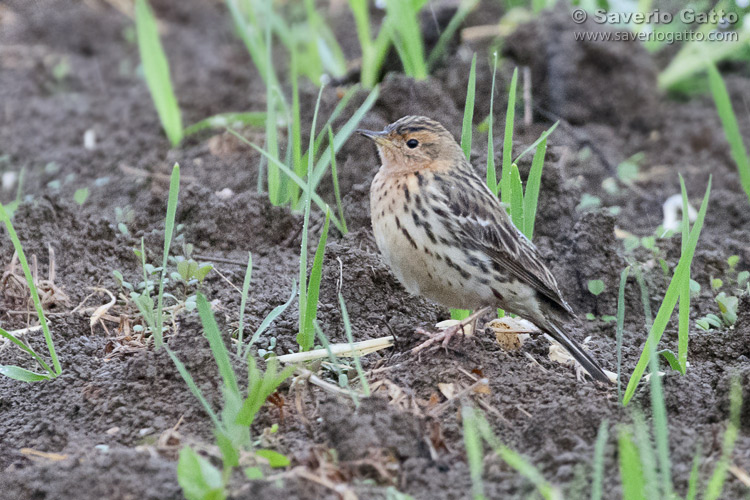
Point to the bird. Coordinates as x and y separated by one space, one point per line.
447 237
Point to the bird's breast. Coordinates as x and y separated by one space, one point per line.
418 247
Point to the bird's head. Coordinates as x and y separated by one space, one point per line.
415 143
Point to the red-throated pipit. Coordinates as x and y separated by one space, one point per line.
447 237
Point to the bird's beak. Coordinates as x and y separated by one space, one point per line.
379 138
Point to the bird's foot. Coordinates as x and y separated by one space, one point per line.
443 337
463 328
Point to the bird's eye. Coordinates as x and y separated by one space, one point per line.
412 143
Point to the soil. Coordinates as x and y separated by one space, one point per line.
117 416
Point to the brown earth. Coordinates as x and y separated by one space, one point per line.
105 414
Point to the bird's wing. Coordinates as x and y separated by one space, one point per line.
483 225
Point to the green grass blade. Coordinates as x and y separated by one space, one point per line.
491 171
659 422
670 299
27 349
293 177
474 453
464 8
692 490
403 22
306 338
631 469
533 184
645 297
471 91
510 114
224 120
460 314
731 128
535 144
198 477
259 387
335 176
361 12
309 195
647 454
684 300
716 483
174 191
516 197
342 136
193 387
147 313
218 349
156 71
599 448
340 107
251 37
516 461
350 338
272 148
620 326
33 290
696 55
323 44
297 164
24 375
243 302
342 377
275 313
380 51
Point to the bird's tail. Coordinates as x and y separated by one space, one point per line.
556 331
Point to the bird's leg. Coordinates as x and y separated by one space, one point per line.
446 335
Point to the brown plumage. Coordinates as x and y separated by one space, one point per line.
447 237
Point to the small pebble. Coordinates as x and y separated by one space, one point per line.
89 139
224 194
9 180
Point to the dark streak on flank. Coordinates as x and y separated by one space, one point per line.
430 234
417 220
408 237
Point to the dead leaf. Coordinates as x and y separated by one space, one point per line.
482 389
510 332
447 390
36 454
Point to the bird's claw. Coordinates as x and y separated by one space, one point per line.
443 336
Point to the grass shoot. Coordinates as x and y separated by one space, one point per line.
464 9
467 127
243 302
403 23
671 297
491 171
17 372
199 479
309 298
476 432
156 71
731 128
373 50
505 174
